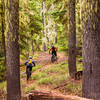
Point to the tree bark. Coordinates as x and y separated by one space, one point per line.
91 49
72 39
42 15
33 46
55 33
32 43
3 28
12 53
44 46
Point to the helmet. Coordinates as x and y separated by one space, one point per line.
30 57
52 47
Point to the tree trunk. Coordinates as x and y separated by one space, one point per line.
72 39
12 52
33 46
78 23
44 46
91 49
32 43
3 28
42 15
27 53
44 25
55 33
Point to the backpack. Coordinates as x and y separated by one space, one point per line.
30 61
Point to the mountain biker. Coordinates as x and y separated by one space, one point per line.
54 50
29 64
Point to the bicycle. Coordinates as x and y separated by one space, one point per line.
28 73
53 58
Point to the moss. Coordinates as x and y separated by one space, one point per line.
3 85
29 89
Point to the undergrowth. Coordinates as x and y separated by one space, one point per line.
56 75
29 89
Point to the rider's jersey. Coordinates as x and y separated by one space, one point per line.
27 63
53 49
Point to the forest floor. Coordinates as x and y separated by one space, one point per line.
43 62
51 77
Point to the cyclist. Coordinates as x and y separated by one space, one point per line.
29 64
54 50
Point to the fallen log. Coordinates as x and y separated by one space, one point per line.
46 95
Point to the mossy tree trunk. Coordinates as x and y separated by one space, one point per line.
72 39
32 46
12 51
44 46
3 27
55 33
91 48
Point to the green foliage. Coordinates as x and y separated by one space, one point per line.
59 68
29 89
55 75
59 79
2 69
74 88
30 25
3 85
38 76
58 15
36 67
35 56
46 81
79 66
61 36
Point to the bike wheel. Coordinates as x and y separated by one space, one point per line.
53 58
28 74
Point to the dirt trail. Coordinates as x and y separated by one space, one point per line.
51 94
45 58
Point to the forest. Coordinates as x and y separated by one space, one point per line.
49 49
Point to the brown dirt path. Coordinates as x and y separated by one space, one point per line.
45 58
